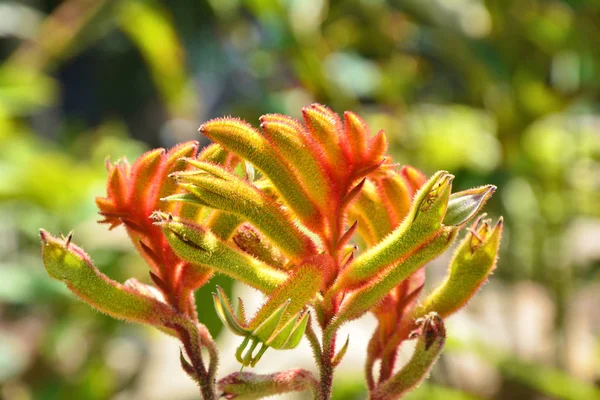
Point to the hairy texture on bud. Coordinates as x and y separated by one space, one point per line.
420 225
357 134
199 246
287 209
295 145
222 190
247 386
254 243
430 342
325 125
370 210
301 288
473 261
242 139
66 262
369 295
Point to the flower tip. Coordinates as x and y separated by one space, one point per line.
160 217
68 239
433 329
107 163
500 223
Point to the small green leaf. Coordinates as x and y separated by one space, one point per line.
248 358
258 356
240 350
281 336
300 289
268 326
340 355
298 332
226 313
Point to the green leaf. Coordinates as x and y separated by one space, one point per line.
298 332
226 313
300 289
268 326
280 337
340 355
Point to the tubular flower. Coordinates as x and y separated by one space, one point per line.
314 214
134 193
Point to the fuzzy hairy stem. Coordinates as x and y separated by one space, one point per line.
370 361
193 338
326 366
314 342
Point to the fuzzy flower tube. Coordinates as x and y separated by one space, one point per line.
314 215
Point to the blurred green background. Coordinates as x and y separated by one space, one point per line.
503 92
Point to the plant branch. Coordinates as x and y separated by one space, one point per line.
314 342
326 365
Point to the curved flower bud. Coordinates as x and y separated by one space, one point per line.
133 193
248 386
244 140
431 338
224 191
423 222
466 204
364 298
254 243
199 246
357 134
474 260
294 144
68 263
413 176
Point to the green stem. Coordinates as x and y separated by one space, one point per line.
326 366
314 342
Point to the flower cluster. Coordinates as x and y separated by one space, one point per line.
313 215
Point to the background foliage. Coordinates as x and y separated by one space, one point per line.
501 92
